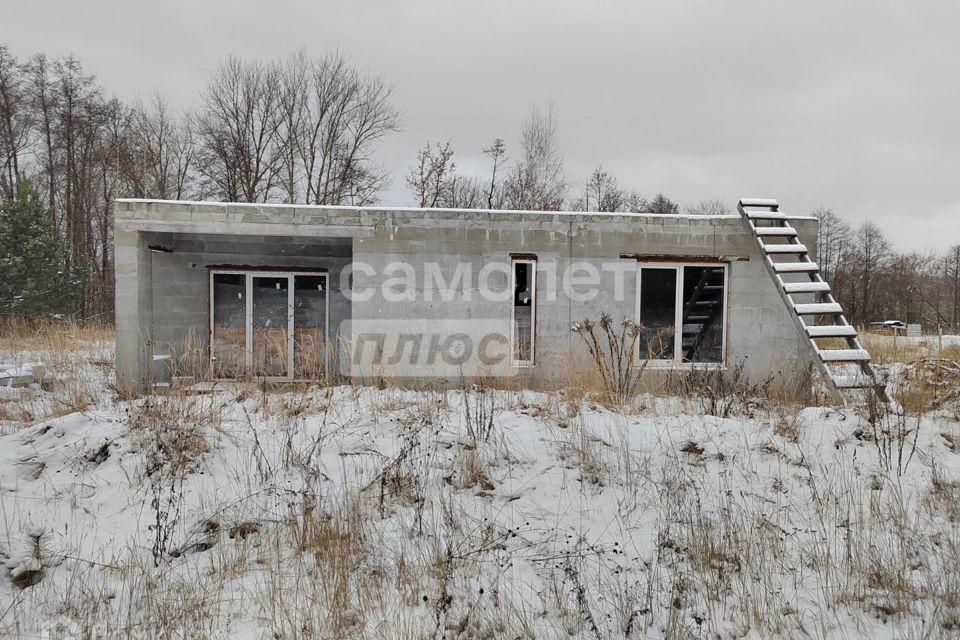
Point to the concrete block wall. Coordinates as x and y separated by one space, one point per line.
162 297
761 335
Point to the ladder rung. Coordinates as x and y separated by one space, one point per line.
859 381
785 232
844 355
759 202
806 287
817 308
795 267
831 331
766 215
785 248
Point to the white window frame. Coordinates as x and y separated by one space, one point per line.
249 275
533 312
677 361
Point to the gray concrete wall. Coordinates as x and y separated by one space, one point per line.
761 335
134 310
162 297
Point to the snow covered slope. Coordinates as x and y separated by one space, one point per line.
359 512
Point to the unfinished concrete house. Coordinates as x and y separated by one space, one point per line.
291 292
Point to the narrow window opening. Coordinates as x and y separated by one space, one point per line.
524 312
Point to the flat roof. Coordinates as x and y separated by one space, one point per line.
330 207
192 216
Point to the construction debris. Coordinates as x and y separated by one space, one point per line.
21 375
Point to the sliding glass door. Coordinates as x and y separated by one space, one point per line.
271 325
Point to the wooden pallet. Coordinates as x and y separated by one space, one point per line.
798 279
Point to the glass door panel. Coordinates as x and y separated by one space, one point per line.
310 327
270 326
229 326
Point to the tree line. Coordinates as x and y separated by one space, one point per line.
297 130
304 129
875 282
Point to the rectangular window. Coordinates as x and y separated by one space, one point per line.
681 309
703 312
658 316
524 311
271 325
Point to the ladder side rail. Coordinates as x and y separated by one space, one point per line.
825 372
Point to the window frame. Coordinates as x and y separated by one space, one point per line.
249 275
532 261
677 362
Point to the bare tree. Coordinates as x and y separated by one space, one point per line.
240 150
41 93
498 154
663 204
163 152
331 117
602 193
16 121
871 258
834 244
429 179
537 181
952 277
708 208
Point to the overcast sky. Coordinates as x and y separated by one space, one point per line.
848 105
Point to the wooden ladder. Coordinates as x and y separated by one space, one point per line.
798 279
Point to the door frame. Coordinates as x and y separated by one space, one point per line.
290 275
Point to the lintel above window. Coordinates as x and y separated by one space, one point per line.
681 259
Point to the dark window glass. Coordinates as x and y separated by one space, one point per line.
658 304
703 314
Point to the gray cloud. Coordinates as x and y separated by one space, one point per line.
850 105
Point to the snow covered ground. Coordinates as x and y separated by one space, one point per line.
386 513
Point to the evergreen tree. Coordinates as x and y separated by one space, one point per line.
33 277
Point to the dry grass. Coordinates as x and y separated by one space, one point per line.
51 336
886 349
